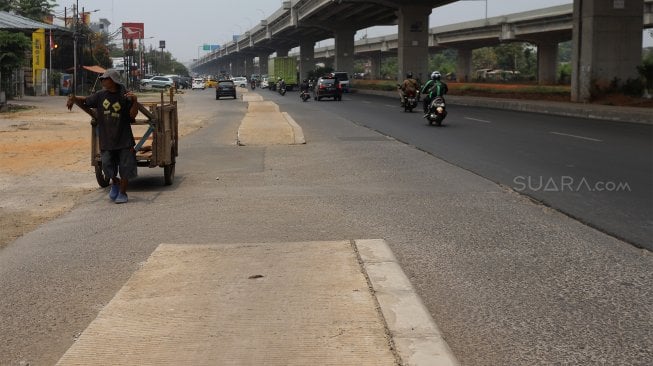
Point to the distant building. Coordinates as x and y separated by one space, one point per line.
102 26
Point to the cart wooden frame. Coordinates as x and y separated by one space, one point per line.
159 145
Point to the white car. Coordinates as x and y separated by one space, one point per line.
162 82
198 84
240 81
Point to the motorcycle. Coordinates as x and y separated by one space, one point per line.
282 89
253 85
437 111
304 95
409 101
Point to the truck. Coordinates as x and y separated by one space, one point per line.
285 68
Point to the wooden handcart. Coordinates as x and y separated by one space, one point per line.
157 147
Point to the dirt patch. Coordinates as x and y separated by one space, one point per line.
46 162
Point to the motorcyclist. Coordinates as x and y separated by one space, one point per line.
408 86
303 87
434 88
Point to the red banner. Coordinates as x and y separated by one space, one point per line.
133 31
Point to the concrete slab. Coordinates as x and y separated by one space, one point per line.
253 304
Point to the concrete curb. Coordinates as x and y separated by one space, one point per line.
416 337
594 111
298 133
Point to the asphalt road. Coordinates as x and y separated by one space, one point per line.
598 172
508 281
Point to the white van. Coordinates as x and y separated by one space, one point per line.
343 79
198 83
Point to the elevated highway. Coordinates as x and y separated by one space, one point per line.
544 28
607 37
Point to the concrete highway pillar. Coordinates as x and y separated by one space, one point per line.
606 44
237 64
413 41
263 62
249 66
344 48
375 63
464 65
306 57
547 61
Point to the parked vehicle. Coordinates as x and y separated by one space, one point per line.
161 82
343 78
437 111
185 82
198 84
326 87
181 82
225 88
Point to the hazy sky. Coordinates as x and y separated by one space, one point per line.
187 25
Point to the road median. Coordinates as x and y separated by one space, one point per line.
264 124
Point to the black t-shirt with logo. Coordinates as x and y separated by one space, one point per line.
114 122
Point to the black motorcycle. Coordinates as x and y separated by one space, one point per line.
282 88
409 101
252 84
437 111
305 95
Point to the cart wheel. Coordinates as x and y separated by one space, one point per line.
169 173
169 170
102 179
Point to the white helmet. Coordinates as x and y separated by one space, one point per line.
435 75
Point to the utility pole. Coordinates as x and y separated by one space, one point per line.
75 35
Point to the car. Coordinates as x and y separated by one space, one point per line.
211 83
198 84
178 81
185 82
343 78
326 87
225 88
240 81
161 82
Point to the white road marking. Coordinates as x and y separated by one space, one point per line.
390 105
477 120
576 136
